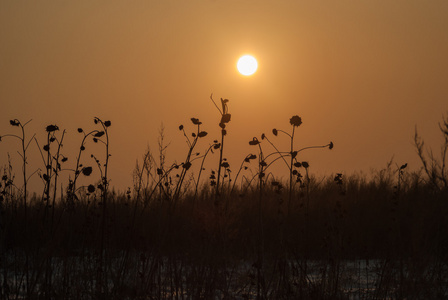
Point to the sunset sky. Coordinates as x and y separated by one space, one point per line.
362 74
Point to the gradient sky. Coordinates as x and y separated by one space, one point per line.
360 73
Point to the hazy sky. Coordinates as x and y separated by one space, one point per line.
360 73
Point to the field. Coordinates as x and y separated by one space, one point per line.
174 236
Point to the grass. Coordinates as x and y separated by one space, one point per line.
175 236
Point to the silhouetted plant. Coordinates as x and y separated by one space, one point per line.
102 167
400 173
244 252
247 159
80 168
165 186
23 154
141 184
225 118
340 183
258 265
49 167
164 174
295 121
436 169
212 147
7 184
52 165
188 160
264 163
103 186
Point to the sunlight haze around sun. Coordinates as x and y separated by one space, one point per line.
362 74
247 65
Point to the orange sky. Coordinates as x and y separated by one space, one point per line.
362 74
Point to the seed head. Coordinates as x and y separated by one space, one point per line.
14 122
254 142
51 128
295 121
196 121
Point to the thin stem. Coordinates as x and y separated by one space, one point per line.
290 169
25 192
239 171
185 169
211 97
220 161
200 172
276 150
56 177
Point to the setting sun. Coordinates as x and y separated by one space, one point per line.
247 65
223 149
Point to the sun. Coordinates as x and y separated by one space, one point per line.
247 65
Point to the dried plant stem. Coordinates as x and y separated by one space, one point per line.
221 151
291 164
56 170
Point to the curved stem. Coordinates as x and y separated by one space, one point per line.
238 173
200 172
281 156
279 130
277 151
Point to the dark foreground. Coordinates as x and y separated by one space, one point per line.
363 242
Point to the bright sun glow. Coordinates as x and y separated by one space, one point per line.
247 65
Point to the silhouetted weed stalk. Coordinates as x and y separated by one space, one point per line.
188 160
264 162
23 154
292 154
435 168
168 238
225 118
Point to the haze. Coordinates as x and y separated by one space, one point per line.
362 74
